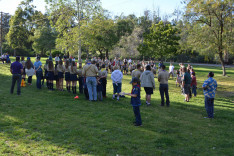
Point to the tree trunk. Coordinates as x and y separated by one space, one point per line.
107 54
222 63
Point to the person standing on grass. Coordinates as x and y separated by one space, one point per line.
103 79
116 77
38 70
73 76
90 72
29 70
147 81
136 101
194 84
171 70
16 71
163 77
81 79
137 72
186 83
61 70
209 88
67 75
50 75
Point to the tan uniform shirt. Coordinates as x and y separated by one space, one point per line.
61 68
74 70
163 77
136 73
90 70
67 70
80 73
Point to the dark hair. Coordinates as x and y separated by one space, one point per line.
67 64
138 66
103 66
148 67
28 64
22 58
211 74
184 69
17 58
193 73
50 65
163 66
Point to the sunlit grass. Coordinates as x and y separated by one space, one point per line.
41 122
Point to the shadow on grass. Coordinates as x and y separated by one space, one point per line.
99 128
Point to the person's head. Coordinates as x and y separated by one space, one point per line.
134 81
211 74
50 65
138 66
73 63
184 69
193 73
115 68
67 63
103 66
28 58
38 58
22 58
80 66
148 67
163 67
17 58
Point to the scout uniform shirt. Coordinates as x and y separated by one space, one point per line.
136 73
90 70
60 68
136 101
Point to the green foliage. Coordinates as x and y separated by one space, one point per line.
161 42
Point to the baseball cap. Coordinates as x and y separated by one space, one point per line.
135 79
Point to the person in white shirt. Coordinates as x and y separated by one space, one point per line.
116 77
171 70
57 59
129 61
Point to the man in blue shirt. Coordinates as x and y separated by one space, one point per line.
209 86
16 71
136 100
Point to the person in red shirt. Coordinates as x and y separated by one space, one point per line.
194 84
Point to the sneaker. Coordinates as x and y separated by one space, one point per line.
113 97
148 104
117 98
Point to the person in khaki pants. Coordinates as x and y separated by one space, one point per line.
90 72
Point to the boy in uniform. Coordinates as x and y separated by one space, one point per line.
136 100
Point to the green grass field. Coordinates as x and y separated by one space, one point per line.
42 122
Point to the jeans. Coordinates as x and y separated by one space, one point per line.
136 110
81 87
16 77
100 97
39 77
30 79
92 88
164 89
209 105
194 90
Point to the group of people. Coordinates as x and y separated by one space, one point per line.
5 58
92 79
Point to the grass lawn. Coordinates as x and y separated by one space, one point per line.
42 122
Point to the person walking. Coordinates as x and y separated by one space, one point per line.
209 88
38 70
148 82
163 88
90 72
16 71
116 77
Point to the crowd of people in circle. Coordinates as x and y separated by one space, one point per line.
92 78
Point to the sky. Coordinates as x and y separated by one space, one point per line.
115 7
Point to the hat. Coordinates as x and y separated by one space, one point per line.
135 79
28 58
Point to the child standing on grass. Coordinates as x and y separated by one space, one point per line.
194 84
67 76
99 89
61 70
136 100
50 75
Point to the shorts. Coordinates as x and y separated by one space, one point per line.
73 77
60 75
117 88
50 75
186 88
149 90
67 76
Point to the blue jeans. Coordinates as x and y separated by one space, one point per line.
164 89
16 77
39 77
209 105
194 90
136 110
92 88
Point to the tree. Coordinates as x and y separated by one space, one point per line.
161 42
212 26
100 35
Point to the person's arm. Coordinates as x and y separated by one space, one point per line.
132 95
11 70
205 85
83 71
159 77
152 80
